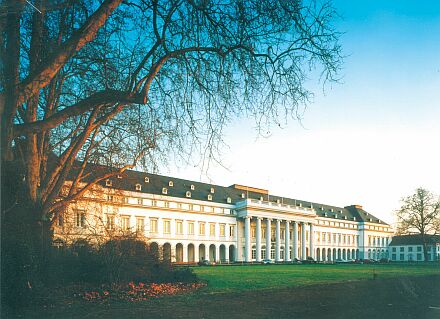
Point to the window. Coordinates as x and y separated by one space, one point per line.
154 203
170 184
179 227
153 225
119 176
108 182
202 229
212 190
190 206
402 249
188 194
419 257
242 195
60 220
146 179
410 249
209 197
140 224
190 228
140 201
261 198
231 230
110 221
80 219
393 256
125 222
193 187
228 200
166 204
166 227
222 230
419 248
211 229
253 232
402 257
110 198
164 190
138 187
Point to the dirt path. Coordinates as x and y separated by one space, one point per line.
416 297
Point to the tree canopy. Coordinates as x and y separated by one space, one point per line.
125 83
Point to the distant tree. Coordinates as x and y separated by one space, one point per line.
129 83
419 214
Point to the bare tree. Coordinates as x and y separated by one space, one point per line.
419 214
120 84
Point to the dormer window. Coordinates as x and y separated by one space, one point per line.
138 187
209 197
300 205
354 218
322 208
261 198
278 201
147 179
228 200
331 210
108 182
193 187
119 176
212 190
188 194
164 190
325 214
170 184
242 195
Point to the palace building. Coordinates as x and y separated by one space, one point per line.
188 221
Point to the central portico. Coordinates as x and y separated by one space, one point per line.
265 231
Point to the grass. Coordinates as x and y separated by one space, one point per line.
242 278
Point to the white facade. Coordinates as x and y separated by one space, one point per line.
187 230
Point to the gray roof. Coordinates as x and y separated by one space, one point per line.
156 183
415 239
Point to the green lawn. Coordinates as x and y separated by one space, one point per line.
242 278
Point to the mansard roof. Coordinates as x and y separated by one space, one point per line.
415 239
236 193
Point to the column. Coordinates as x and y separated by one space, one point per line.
247 238
295 240
217 253
238 244
196 253
277 240
258 239
185 253
303 241
312 238
287 242
268 239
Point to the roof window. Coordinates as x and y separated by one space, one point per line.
119 176
209 197
147 179
228 200
212 190
242 195
188 194
193 187
138 187
108 182
170 184
164 190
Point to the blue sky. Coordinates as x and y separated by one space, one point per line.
369 140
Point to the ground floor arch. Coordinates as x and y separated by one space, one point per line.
222 252
212 253
166 252
202 252
232 253
191 253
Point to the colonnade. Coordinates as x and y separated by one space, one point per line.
288 244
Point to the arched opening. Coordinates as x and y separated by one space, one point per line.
212 256
357 253
353 254
154 250
339 254
179 253
329 255
166 252
318 254
231 253
191 257
222 253
323 254
344 254
202 252
334 254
